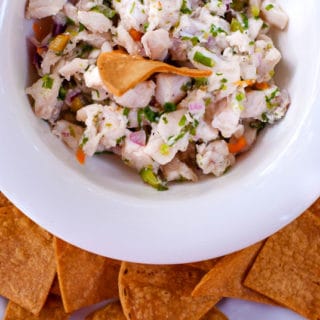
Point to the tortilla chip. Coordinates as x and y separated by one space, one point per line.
4 201
315 208
225 278
55 289
84 278
27 262
205 265
288 267
161 292
214 314
53 310
134 70
112 311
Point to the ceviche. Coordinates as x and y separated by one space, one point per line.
168 127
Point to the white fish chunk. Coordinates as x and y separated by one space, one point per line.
46 104
133 13
274 14
138 97
71 12
135 156
241 41
38 9
226 118
177 170
214 158
156 44
88 4
163 14
94 21
158 149
124 40
169 88
104 126
170 127
69 133
75 66
205 132
49 60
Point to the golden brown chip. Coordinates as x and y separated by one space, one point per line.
153 292
205 265
27 262
135 69
52 310
225 278
112 311
55 289
288 267
315 208
4 201
84 278
214 314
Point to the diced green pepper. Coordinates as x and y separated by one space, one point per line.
149 177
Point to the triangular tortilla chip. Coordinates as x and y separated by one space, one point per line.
55 289
205 265
287 269
112 311
225 278
161 292
4 201
315 208
121 72
52 310
84 278
27 262
214 314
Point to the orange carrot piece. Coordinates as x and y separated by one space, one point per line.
42 27
245 83
40 51
262 85
81 156
239 145
135 34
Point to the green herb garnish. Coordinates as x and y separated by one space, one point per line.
149 177
47 82
204 60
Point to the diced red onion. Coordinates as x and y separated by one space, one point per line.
227 4
138 137
58 29
60 24
196 107
37 60
71 94
65 134
211 42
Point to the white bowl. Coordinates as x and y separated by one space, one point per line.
103 207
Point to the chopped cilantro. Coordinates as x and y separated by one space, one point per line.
47 82
269 7
201 82
169 107
204 60
183 121
184 8
106 11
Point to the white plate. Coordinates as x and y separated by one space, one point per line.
103 207
234 309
